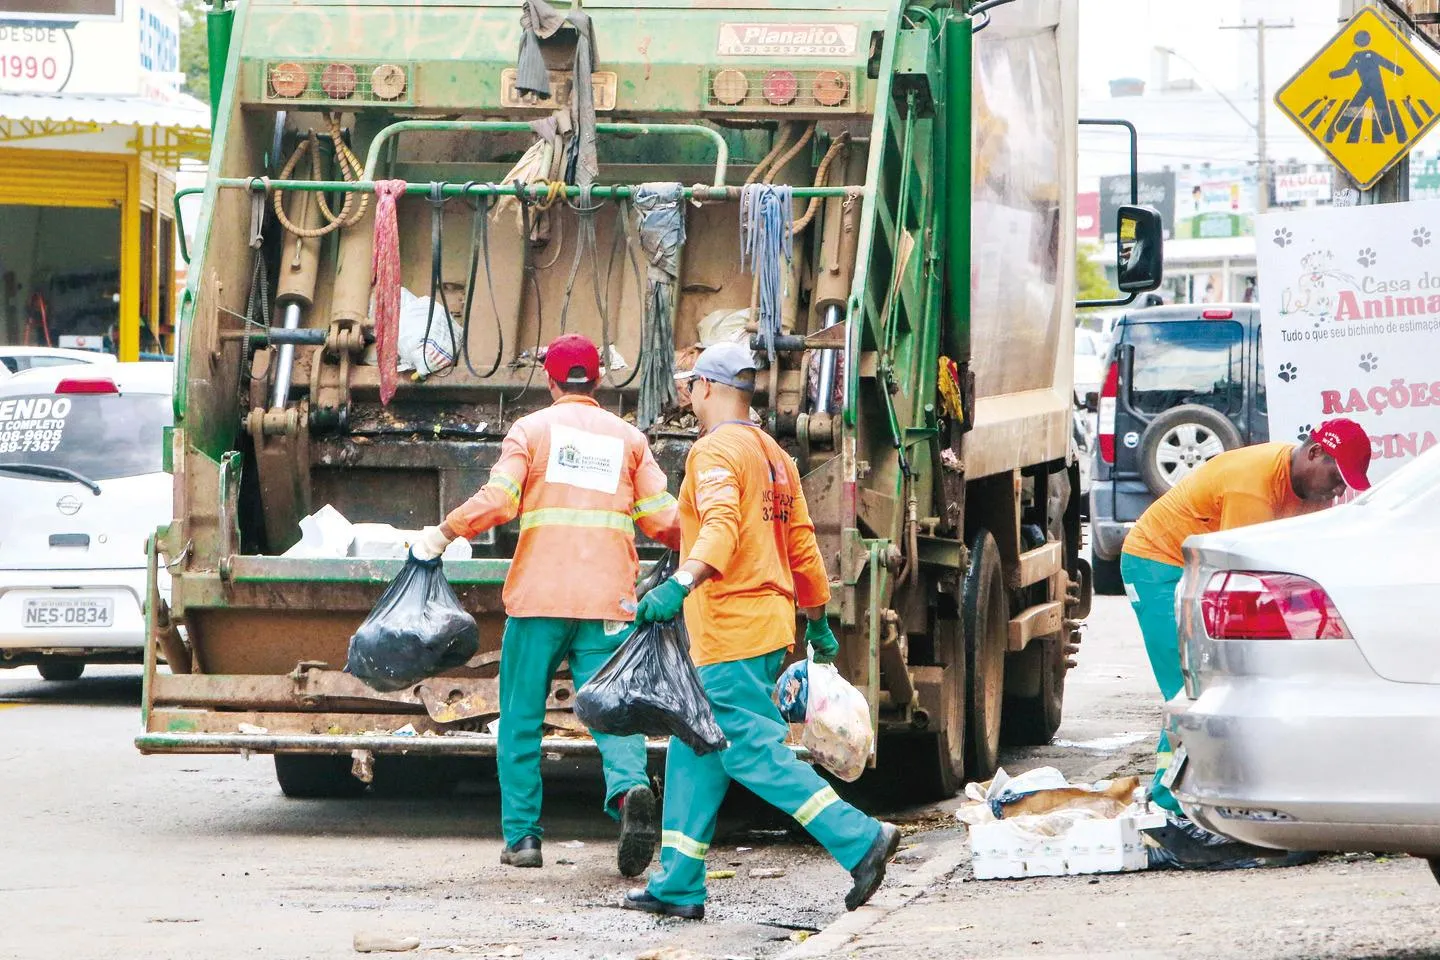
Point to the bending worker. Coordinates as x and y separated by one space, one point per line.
580 479
1268 481
749 557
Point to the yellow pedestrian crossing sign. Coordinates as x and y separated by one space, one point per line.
1365 99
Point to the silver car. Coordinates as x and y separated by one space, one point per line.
1310 718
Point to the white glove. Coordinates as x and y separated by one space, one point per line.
432 544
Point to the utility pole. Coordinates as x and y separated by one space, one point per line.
1262 166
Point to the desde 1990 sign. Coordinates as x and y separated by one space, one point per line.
34 58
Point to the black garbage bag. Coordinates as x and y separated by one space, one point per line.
649 685
416 630
1183 844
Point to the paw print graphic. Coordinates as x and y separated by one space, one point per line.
1421 237
1283 237
1288 372
1369 363
1366 257
1304 432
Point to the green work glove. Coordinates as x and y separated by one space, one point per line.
822 640
663 602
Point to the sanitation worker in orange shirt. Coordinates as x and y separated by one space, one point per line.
580 479
749 558
1268 481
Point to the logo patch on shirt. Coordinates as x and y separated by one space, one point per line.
586 460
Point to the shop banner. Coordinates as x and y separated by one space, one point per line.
1214 202
1311 186
1087 215
1350 301
1153 189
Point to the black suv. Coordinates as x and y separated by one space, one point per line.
1184 383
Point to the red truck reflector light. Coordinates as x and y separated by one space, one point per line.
1240 605
1109 395
780 87
1225 314
74 385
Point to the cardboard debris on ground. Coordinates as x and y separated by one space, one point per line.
1040 825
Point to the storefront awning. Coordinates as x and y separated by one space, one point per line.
179 127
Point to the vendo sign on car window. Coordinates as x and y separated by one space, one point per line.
1351 323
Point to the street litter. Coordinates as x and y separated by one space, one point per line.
766 873
416 630
251 729
720 875
649 685
384 943
327 534
1040 825
573 844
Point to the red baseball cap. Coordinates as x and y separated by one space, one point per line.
1348 443
572 359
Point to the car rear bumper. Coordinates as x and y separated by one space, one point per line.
1107 537
1313 763
125 588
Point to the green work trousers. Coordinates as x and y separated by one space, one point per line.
1150 585
758 759
530 653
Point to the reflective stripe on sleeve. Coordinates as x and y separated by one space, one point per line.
569 517
684 845
644 508
816 805
509 487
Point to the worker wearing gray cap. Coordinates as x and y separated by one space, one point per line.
749 557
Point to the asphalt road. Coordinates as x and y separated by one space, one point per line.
111 854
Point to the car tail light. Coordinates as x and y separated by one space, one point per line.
1109 395
780 87
73 385
1225 314
1269 606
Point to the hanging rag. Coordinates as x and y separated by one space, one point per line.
386 266
540 21
660 220
767 219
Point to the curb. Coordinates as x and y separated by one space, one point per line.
895 895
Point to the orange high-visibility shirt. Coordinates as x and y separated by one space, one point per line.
1238 488
743 513
580 479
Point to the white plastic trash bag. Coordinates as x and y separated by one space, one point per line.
837 731
426 355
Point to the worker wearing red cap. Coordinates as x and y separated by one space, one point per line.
581 480
1268 481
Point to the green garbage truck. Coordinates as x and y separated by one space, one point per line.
494 157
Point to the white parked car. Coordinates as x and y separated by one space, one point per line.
83 488
20 359
1310 718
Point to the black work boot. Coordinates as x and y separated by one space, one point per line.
869 873
525 852
639 830
642 900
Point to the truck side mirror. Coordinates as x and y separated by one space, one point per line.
1140 249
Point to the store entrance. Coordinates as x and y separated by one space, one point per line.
60 276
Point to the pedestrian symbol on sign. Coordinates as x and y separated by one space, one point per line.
1370 101
1365 99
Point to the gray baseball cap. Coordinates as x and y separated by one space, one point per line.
725 363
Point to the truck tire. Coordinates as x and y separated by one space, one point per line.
415 778
1108 582
60 670
1181 439
1435 868
985 611
1035 677
316 776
